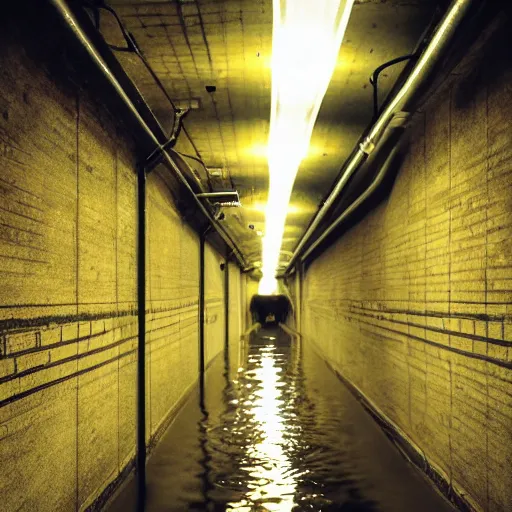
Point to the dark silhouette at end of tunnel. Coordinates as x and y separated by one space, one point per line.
270 309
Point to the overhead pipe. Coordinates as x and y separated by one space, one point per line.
226 314
355 204
69 18
394 109
209 195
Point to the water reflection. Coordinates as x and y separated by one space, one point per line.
267 463
266 453
282 434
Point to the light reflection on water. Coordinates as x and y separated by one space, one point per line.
283 434
267 449
272 482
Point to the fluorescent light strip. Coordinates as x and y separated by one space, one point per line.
306 40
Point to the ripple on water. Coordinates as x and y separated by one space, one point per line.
272 448
283 435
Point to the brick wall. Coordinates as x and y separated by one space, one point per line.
172 303
413 304
67 316
68 325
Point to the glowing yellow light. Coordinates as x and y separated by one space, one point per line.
268 284
274 484
305 45
262 207
261 150
258 150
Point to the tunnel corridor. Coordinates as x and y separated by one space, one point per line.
143 367
269 309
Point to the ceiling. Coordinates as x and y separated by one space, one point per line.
191 44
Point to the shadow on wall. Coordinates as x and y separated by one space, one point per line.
270 309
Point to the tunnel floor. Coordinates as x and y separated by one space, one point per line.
284 435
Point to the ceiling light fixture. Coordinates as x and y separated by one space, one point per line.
306 41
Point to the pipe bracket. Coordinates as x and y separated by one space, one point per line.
367 146
399 120
154 158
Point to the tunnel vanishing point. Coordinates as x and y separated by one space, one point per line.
141 367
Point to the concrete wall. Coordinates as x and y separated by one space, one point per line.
292 287
235 304
68 325
413 304
172 303
67 317
250 291
244 305
235 317
214 317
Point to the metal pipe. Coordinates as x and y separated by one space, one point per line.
226 314
351 167
374 80
202 365
298 301
368 192
72 23
140 459
417 77
423 67
217 194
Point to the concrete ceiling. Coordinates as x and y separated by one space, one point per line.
227 43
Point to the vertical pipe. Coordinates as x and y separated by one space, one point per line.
243 280
202 240
226 313
203 423
302 271
298 298
141 348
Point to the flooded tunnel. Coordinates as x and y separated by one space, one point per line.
286 434
152 164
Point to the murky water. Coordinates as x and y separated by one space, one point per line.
283 435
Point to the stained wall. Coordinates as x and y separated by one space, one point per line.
413 304
68 309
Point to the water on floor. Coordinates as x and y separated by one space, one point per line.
284 434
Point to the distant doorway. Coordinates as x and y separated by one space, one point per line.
270 309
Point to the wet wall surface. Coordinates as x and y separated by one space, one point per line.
285 435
